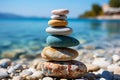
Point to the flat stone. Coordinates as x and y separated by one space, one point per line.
92 67
63 17
60 11
61 41
67 69
59 30
59 54
57 23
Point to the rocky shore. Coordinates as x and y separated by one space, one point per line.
102 64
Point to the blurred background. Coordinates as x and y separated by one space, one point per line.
23 23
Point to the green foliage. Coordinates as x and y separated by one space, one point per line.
96 10
114 3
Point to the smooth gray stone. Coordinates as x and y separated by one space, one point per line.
3 73
61 41
59 30
63 17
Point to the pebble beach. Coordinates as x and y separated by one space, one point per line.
90 61
101 65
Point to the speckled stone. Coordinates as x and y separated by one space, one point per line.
59 30
60 11
67 69
59 54
57 23
61 41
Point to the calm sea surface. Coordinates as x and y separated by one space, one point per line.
30 33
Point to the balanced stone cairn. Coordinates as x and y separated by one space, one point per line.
60 58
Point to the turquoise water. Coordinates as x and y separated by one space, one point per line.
30 33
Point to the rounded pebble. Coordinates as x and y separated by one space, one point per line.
60 11
61 41
17 78
59 30
3 73
68 69
18 67
47 78
92 67
116 58
59 54
57 23
107 75
4 63
101 62
63 17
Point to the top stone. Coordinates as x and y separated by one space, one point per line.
60 12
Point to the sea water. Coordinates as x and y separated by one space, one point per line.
30 33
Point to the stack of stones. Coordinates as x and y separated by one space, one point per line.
60 58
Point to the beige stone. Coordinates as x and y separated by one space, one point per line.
59 54
92 67
57 23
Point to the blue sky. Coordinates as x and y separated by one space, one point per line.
42 8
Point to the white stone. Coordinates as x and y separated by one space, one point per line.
115 58
63 17
17 78
11 70
59 30
101 62
47 78
3 73
112 67
18 67
37 74
60 12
